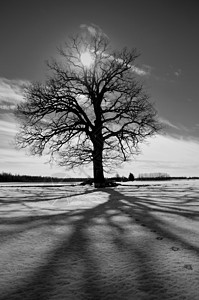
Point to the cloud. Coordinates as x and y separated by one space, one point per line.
94 30
168 123
179 131
8 127
166 154
147 69
90 29
8 130
11 92
139 71
17 162
178 73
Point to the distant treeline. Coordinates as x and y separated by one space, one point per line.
153 175
165 178
8 177
160 176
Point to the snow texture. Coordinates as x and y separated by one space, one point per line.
79 243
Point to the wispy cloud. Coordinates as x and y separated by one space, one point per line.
178 73
7 127
179 131
168 123
177 157
11 91
6 106
95 30
17 162
140 71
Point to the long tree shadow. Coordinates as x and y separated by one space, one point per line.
100 253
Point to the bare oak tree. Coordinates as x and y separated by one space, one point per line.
90 109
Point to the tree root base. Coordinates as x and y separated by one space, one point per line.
106 183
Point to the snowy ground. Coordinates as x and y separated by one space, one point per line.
74 242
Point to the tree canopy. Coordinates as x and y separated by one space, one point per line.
91 108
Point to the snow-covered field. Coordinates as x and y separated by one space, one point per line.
74 242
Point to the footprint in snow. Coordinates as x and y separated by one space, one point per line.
175 248
188 267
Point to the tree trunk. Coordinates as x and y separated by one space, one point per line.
99 180
98 146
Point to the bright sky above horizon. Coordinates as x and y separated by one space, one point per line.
166 35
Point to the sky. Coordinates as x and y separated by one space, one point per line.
165 33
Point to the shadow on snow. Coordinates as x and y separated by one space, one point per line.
82 257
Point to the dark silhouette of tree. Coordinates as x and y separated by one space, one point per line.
131 177
90 109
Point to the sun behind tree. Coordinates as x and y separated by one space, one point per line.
87 59
92 109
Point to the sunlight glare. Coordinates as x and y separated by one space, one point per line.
87 59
